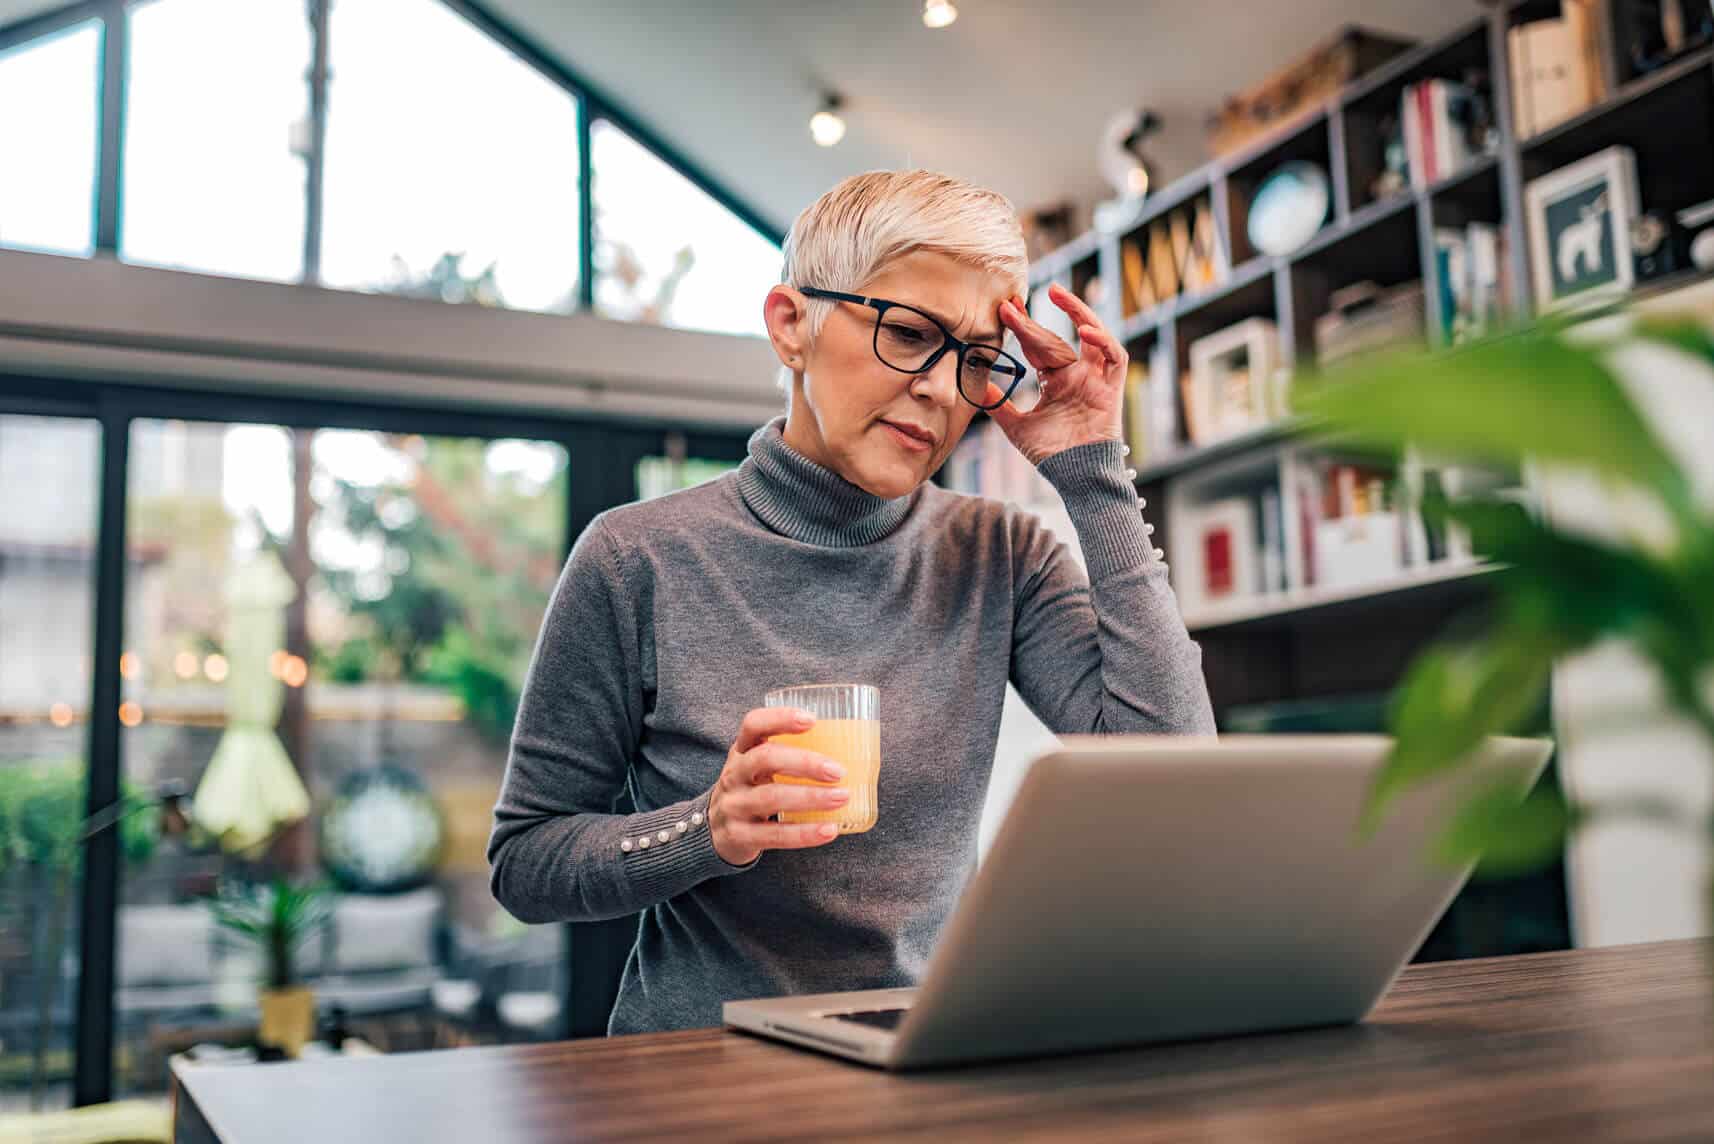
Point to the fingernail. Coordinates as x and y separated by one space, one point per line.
832 772
827 830
804 716
838 794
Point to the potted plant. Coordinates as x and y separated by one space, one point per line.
276 920
1546 397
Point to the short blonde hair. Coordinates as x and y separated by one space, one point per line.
851 233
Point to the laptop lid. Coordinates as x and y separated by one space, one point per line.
1149 889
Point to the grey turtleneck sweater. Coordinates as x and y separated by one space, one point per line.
672 619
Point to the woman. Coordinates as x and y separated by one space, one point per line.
827 556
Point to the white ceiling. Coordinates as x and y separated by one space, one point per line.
1014 95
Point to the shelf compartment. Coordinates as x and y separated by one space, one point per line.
1309 139
1177 240
1472 195
1383 248
1370 107
1666 117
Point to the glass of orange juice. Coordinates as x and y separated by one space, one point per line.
847 730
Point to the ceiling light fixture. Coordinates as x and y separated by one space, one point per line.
826 126
938 13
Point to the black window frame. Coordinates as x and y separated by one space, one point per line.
592 104
602 455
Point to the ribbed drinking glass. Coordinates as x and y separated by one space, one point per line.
847 730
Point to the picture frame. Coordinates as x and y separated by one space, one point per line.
1223 560
1230 387
1579 221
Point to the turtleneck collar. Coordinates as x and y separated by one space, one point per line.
798 498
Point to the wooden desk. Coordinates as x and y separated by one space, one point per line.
1614 1044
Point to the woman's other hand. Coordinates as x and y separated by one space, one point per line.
1081 392
746 797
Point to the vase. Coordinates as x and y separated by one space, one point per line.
288 1018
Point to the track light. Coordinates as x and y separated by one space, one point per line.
938 13
826 126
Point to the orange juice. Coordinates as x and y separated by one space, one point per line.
854 744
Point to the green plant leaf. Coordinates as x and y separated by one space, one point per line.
1506 831
1526 394
1581 589
1682 334
1454 697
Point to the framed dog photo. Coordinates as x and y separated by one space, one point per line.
1580 230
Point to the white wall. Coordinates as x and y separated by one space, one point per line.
101 318
1022 736
1632 881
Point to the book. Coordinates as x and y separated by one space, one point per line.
1225 558
1437 116
1450 257
1273 543
1137 408
1411 122
1139 292
1469 261
1430 165
1162 269
1163 399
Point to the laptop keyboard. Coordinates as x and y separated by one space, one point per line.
874 1018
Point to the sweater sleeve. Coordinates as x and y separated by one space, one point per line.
1105 652
556 852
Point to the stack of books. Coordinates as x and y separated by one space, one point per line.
1473 279
1352 527
1440 119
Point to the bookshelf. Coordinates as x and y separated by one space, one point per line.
1302 654
1666 117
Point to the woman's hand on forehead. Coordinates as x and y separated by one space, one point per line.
1080 388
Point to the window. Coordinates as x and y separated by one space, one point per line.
385 632
665 251
48 152
452 166
218 108
674 469
47 592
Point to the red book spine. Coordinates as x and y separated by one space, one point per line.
1425 131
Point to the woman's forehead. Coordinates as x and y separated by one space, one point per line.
957 294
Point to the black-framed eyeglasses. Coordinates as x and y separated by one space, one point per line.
910 341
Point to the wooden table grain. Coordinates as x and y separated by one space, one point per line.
1612 1044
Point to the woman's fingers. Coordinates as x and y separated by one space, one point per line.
1043 348
1005 414
770 799
760 764
761 722
1108 346
783 836
1074 306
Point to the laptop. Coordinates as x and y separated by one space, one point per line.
1150 889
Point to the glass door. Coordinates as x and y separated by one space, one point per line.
50 471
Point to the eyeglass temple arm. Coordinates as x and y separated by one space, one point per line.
838 296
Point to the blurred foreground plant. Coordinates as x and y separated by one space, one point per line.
1542 397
